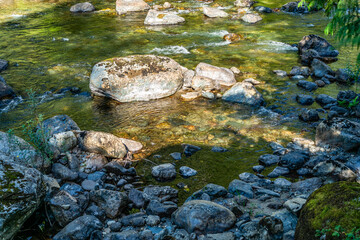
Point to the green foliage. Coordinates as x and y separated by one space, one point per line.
345 19
340 233
351 104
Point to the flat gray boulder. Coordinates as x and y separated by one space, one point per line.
214 12
162 18
245 93
136 78
82 7
218 75
124 6
201 216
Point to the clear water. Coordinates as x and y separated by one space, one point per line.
49 48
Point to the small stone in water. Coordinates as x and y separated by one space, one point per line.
176 155
218 149
187 172
258 168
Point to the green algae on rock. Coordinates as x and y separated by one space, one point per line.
329 206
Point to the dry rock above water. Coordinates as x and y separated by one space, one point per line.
155 17
124 6
245 93
136 78
214 12
82 7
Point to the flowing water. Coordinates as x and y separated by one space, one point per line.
49 49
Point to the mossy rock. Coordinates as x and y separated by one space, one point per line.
329 206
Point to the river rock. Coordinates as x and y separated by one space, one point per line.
293 7
164 172
320 69
80 228
199 83
161 192
161 209
238 187
136 78
219 75
244 3
22 190
189 149
102 143
112 202
6 92
187 171
245 93
13 148
63 141
268 159
252 81
306 186
279 171
251 18
233 37
288 219
116 168
82 7
306 85
304 99
3 65
342 75
280 73
318 44
325 100
303 71
63 173
214 12
262 9
309 115
294 160
203 217
123 235
58 124
346 96
188 76
339 132
124 6
131 145
335 169
162 18
294 205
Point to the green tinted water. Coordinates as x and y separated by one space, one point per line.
49 48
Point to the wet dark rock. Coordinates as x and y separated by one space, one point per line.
288 219
137 198
258 168
262 9
124 235
187 172
309 115
94 210
315 160
339 132
152 220
345 97
164 209
304 99
58 124
303 71
80 228
3 65
203 217
306 186
339 110
320 69
218 149
82 7
324 100
264 191
294 160
320 83
6 92
342 75
160 192
116 168
319 45
304 172
164 172
238 187
249 177
176 155
273 226
279 171
88 185
112 202
211 190
268 159
306 85
135 220
189 149
335 169
63 173
97 176
294 8
297 77
354 164
282 183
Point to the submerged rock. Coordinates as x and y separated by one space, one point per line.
245 93
3 65
233 37
262 9
82 7
162 18
244 3
203 217
124 6
6 92
136 78
59 124
339 132
309 115
214 12
21 194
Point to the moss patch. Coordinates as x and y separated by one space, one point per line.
331 205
